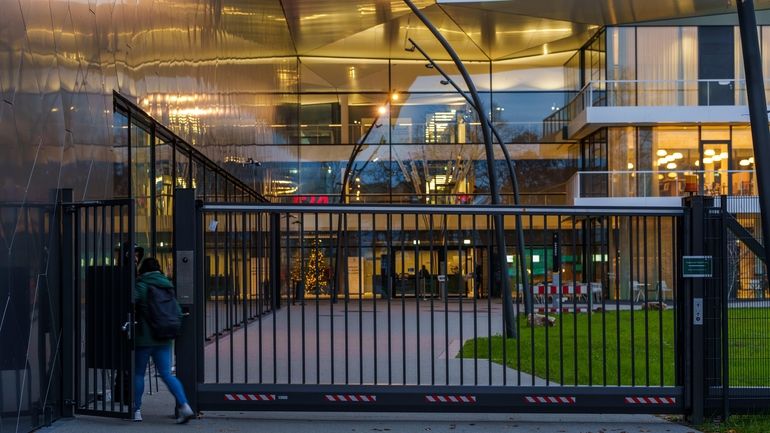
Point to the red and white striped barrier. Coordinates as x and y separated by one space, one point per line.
566 289
650 400
562 309
537 399
450 398
250 397
351 398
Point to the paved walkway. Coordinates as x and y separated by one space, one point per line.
157 419
414 342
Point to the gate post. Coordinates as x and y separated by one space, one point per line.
694 245
185 236
67 289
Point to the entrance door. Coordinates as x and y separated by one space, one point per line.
103 262
716 166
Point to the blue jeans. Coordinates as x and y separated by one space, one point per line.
162 357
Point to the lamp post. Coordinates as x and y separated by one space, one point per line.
508 311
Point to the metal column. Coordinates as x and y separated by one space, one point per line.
755 87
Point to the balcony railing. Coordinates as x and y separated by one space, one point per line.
668 183
648 93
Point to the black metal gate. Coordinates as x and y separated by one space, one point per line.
730 307
98 269
412 319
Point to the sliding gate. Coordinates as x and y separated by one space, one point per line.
398 308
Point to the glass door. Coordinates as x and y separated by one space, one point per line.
716 166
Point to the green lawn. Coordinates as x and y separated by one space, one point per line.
613 356
759 423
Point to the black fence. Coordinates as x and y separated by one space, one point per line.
99 264
736 307
311 306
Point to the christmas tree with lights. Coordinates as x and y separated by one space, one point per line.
316 271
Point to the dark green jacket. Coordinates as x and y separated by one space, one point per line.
143 333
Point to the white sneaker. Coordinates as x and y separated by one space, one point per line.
137 416
185 414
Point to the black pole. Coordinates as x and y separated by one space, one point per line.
508 311
755 87
511 172
338 265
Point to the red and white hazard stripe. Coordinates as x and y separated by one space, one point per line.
450 398
566 289
250 397
540 399
563 310
351 398
650 400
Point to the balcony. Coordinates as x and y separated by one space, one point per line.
624 102
655 188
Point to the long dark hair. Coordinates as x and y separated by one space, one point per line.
149 264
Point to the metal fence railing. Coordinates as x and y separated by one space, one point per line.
407 295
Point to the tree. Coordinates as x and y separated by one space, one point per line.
314 272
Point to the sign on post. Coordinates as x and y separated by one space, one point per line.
696 266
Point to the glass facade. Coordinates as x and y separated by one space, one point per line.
270 99
670 161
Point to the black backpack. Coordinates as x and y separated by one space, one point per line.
163 313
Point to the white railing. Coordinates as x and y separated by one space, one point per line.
662 183
649 93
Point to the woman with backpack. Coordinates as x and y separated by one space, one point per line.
158 321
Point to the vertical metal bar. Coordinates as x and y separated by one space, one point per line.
546 271
290 301
588 269
68 259
432 310
545 297
575 346
244 234
99 254
230 290
374 296
261 290
476 293
446 299
419 285
561 311
646 309
389 279
633 243
360 304
303 287
129 301
402 279
114 310
616 258
725 331
604 282
333 282
275 284
216 296
346 282
316 251
464 292
490 284
91 263
658 229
